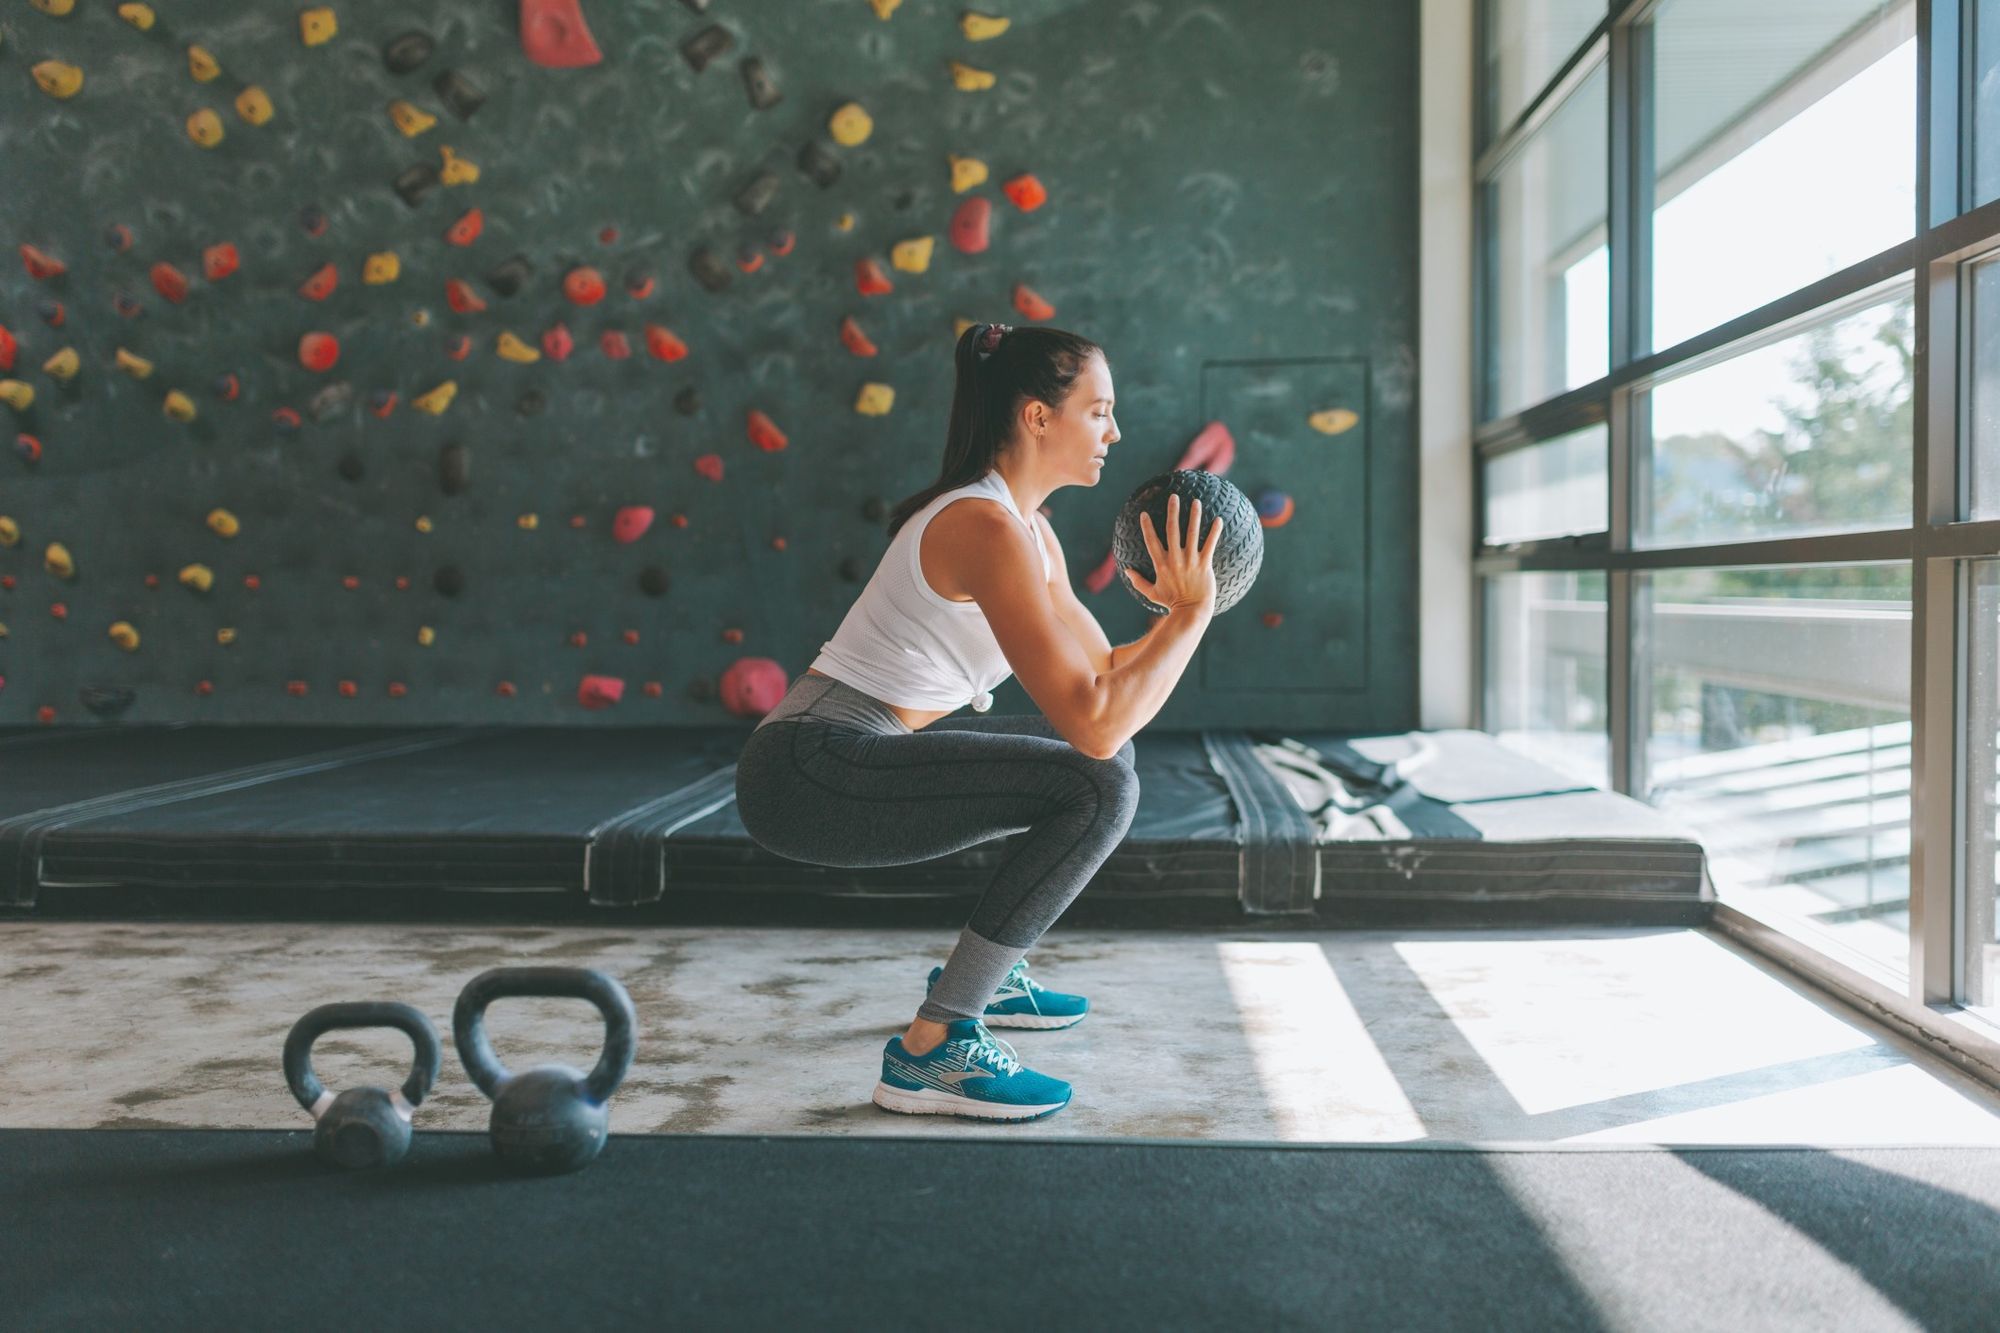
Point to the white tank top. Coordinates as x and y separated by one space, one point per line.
906 644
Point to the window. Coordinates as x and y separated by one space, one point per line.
1545 679
1550 489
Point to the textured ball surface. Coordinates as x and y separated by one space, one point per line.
1239 551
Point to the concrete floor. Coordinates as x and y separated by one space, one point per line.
1551 1036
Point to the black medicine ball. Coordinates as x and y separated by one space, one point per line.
1239 551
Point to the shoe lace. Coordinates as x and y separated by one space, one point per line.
1019 972
989 1049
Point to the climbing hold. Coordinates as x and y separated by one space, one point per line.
119 237
411 119
508 277
57 79
757 193
63 365
631 522
382 267
1274 508
601 691
819 164
17 394
462 93
614 344
8 347
752 686
968 79
1333 420
138 367
219 261
869 279
854 340
28 447
1212 449
125 636
457 170
317 26
966 172
1032 305
57 560
913 255
748 259
253 104
663 344
406 52
169 282
54 8
583 285
10 532
199 577
851 125
454 469
513 349
438 399
178 406
423 524
557 343
528 522
979 27
286 420
969 225
553 34
639 284
459 347
413 183
53 313
138 15
41 265
710 466
688 401
382 402
321 284
426 636
319 351
459 294
1026 192
227 387
764 433
782 242
653 581
875 400
466 230
223 523
202 66
706 45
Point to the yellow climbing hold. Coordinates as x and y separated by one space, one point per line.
56 559
317 25
513 349
254 105
205 128
10 531
528 522
16 394
913 255
54 8
426 636
58 79
457 170
202 65
851 125
199 577
875 400
139 16
223 523
845 222
125 636
225 636
412 120
423 522
966 172
978 27
438 399
138 367
884 8
421 317
178 406
1333 420
382 267
970 80
63 365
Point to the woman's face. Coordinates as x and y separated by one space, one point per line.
1074 439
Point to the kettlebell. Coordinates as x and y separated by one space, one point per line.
1239 551
362 1126
551 1118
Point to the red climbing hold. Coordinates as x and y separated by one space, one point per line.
749 259
869 278
219 261
557 344
968 230
1031 305
28 447
53 313
1212 450
631 523
170 282
601 691
663 344
614 344
853 339
607 236
463 299
710 466
228 387
382 402
459 347
321 284
7 348
554 34
466 230
1026 192
583 285
40 264
319 351
752 686
286 419
764 433
783 243
639 286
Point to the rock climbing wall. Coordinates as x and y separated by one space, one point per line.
557 361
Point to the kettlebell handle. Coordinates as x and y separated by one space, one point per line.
468 1022
409 1020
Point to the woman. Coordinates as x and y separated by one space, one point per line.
859 766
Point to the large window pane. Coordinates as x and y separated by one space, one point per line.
1545 678
1984 446
1809 434
1982 755
1779 731
1784 145
1550 489
1986 103
1527 41
1547 279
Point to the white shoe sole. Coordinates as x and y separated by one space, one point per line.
929 1101
1044 1021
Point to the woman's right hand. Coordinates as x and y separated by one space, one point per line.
1183 572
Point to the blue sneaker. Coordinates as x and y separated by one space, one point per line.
970 1073
1023 1002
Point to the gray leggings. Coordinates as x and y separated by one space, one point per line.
832 777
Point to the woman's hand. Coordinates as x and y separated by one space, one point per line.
1183 574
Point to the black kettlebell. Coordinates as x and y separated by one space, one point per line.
1239 551
362 1126
551 1118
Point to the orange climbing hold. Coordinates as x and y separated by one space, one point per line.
662 343
870 280
219 261
854 340
969 225
319 351
462 298
466 230
554 34
764 433
41 265
1026 192
170 282
1033 306
583 285
321 284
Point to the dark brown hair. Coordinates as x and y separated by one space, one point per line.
1028 363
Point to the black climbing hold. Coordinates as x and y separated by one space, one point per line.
416 182
706 45
820 164
407 52
531 403
351 467
449 580
454 469
758 192
106 700
759 84
653 581
688 401
709 270
462 93
508 277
